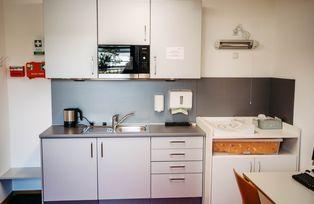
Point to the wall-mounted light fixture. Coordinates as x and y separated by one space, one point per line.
244 43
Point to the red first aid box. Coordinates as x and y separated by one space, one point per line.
35 70
17 71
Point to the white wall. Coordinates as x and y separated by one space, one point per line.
29 100
220 17
285 30
294 58
5 187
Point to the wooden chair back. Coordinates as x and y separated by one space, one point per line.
249 192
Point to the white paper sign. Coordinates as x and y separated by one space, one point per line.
175 53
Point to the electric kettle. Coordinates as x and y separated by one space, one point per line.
71 116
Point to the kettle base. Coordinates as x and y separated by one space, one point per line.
71 124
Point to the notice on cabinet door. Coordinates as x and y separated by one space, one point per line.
175 53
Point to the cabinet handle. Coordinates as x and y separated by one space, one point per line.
145 33
91 150
177 154
177 179
178 142
259 166
92 63
155 65
177 167
251 166
102 150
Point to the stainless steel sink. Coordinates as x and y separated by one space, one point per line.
119 129
131 129
97 130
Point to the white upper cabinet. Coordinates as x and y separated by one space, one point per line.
176 38
124 22
70 38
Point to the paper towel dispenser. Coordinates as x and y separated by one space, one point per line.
180 101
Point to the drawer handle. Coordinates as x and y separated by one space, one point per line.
178 142
177 154
177 179
91 150
178 167
102 150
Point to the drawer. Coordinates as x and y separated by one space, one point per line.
176 185
177 154
176 167
177 142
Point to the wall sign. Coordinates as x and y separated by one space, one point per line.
175 53
38 47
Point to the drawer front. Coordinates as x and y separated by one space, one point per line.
177 167
177 155
177 142
176 185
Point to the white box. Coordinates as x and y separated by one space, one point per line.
181 99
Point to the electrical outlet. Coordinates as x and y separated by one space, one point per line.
235 55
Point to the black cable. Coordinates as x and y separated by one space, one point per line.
90 123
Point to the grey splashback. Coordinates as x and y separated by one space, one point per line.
282 99
217 97
99 100
222 97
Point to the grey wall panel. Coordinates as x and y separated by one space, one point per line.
233 96
212 97
282 99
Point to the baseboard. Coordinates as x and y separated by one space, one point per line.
8 200
10 197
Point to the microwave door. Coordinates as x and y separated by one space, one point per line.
116 61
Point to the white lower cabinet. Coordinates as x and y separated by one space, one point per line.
124 168
276 163
224 187
69 169
177 166
177 154
91 169
176 185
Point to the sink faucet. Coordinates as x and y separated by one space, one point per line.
116 121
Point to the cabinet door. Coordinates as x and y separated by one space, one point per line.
124 22
69 169
123 168
276 163
175 39
224 186
70 38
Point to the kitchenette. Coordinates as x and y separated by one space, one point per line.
145 101
156 164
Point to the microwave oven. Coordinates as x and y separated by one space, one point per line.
123 61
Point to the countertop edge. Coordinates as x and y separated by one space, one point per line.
193 131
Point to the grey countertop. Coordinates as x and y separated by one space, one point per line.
58 131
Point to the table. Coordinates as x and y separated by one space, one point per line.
280 187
